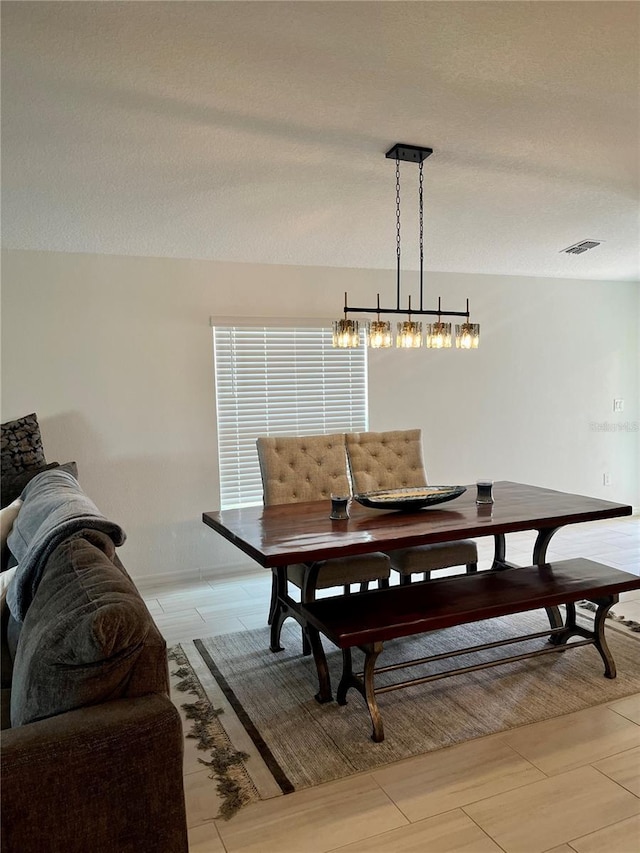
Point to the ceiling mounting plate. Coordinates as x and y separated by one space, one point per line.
412 153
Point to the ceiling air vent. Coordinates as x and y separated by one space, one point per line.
583 246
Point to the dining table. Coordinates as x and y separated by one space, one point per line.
280 535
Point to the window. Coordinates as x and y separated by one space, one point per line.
280 381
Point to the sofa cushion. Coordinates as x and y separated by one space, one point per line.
87 636
14 482
6 658
54 507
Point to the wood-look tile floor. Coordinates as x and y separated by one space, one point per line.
567 786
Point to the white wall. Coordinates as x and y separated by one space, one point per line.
115 356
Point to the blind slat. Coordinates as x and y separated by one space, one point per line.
280 381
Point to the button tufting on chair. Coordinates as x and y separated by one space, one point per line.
393 459
316 467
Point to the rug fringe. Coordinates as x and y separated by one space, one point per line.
233 783
628 623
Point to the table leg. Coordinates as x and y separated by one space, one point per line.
309 582
307 594
283 605
279 609
542 543
274 597
540 557
499 550
500 553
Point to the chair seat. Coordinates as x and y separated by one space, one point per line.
345 570
425 558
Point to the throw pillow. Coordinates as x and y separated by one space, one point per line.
13 485
86 635
7 517
21 445
14 482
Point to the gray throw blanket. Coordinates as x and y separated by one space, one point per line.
54 508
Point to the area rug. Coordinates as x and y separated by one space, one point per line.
255 712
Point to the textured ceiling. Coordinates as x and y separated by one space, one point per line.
256 132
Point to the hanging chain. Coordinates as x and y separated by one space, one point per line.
397 231
414 154
421 211
421 207
398 208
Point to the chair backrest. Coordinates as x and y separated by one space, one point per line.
385 460
302 468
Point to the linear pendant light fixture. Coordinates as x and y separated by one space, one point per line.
346 332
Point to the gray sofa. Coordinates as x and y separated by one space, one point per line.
91 745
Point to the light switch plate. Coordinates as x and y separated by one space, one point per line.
618 405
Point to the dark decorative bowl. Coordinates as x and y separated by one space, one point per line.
407 500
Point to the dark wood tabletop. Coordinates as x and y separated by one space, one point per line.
303 532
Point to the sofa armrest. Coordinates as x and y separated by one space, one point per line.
104 778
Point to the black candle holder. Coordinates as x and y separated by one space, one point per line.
339 508
484 495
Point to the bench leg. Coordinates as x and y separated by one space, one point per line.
324 682
570 627
555 621
306 645
347 680
596 636
372 650
364 686
604 605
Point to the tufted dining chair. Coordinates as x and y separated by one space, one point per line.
312 468
393 460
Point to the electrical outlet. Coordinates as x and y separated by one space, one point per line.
618 405
606 479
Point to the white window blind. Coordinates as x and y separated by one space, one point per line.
280 381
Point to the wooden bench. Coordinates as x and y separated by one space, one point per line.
369 619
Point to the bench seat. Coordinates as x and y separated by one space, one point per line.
369 619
